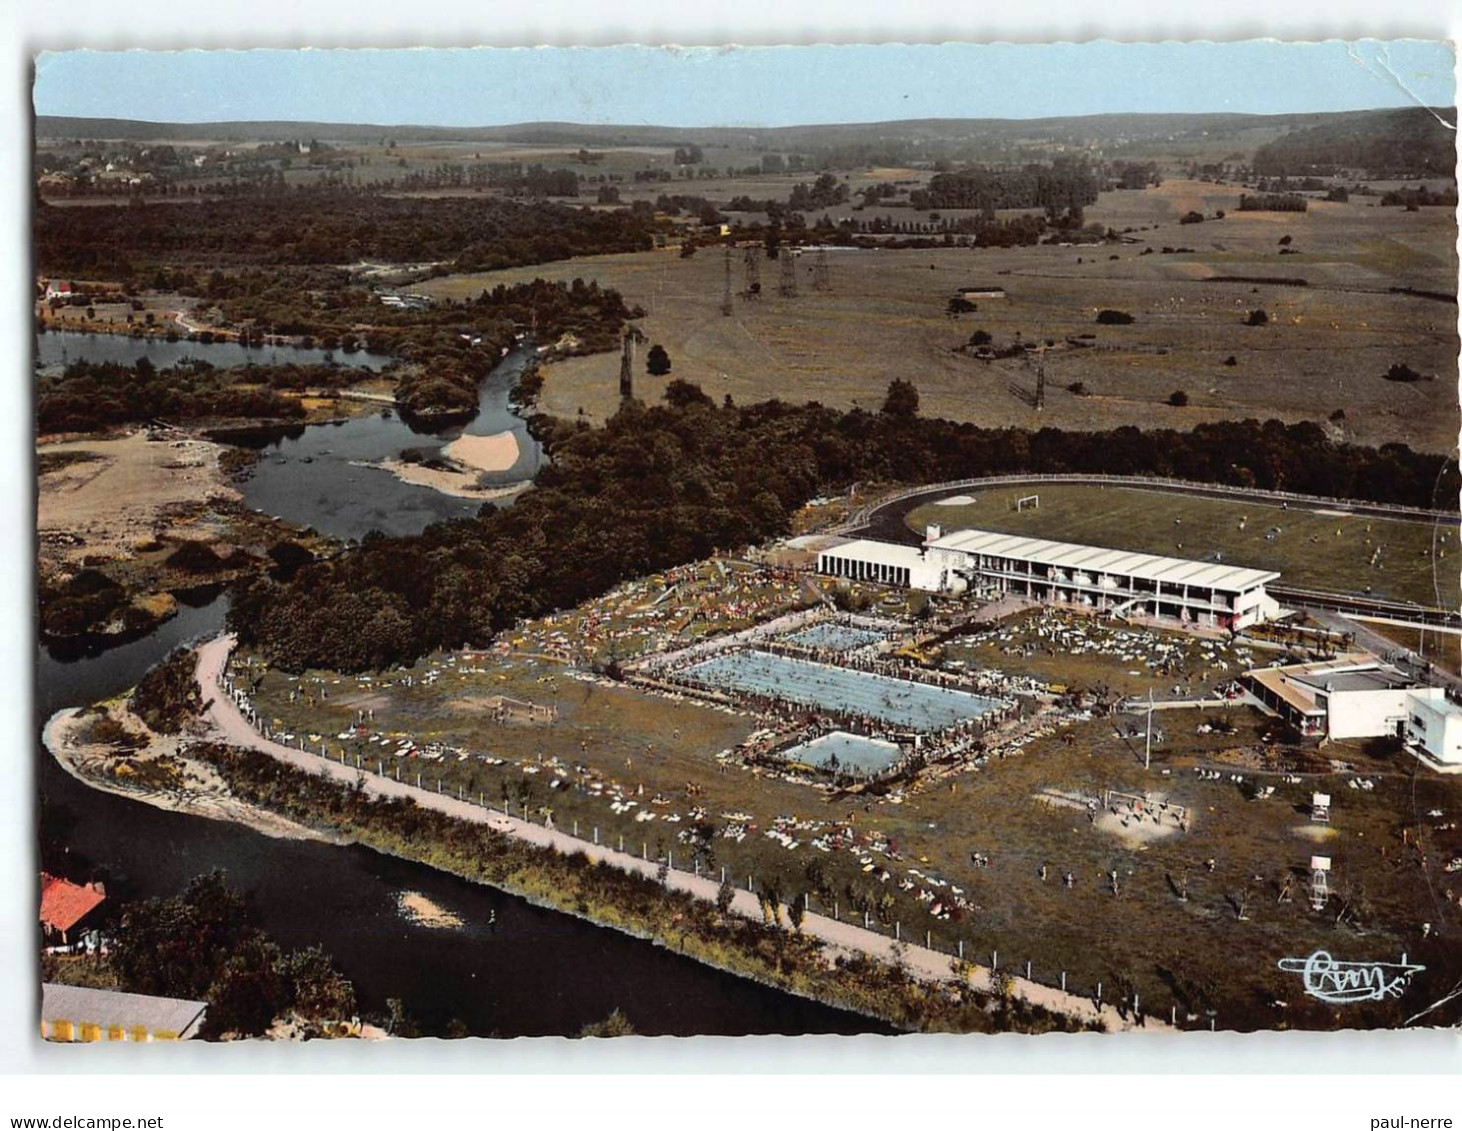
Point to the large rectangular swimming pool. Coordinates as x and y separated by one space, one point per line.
897 702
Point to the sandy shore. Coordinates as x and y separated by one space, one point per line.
201 792
458 484
484 453
124 493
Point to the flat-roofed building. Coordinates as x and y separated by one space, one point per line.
1360 697
1434 728
1200 594
885 563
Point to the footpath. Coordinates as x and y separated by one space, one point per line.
228 724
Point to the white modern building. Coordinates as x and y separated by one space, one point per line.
1359 697
1200 594
885 563
1434 728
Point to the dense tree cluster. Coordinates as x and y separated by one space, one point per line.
204 945
92 396
658 486
1059 187
327 225
1273 202
1420 197
1416 141
825 192
167 696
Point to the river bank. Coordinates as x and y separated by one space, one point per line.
126 524
159 772
832 961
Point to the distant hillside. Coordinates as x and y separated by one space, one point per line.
1409 142
1092 129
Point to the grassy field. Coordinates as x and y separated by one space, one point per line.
1308 551
1143 935
1127 660
1324 351
608 745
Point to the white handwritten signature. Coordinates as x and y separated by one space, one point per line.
1341 983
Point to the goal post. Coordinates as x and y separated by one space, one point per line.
1031 501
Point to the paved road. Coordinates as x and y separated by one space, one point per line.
229 725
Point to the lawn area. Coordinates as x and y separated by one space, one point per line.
614 754
1313 550
1323 352
1082 653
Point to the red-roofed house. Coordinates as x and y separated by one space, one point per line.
58 288
65 906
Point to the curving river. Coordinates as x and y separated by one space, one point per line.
534 972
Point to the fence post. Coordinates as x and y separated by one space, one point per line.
994 960
927 944
596 834
1099 993
723 873
1174 1017
1063 981
576 826
1027 969
865 920
961 949
669 858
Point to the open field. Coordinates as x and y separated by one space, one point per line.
1016 813
1308 551
1324 351
1082 653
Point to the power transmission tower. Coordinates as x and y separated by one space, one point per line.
751 272
726 299
787 285
821 278
626 366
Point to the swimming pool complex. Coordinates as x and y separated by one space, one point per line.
897 702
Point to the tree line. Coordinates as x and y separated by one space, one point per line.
328 225
1063 186
657 486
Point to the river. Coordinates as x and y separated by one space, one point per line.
57 348
535 972
316 475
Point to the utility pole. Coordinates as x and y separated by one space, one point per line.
1147 759
726 299
821 279
751 271
787 285
626 366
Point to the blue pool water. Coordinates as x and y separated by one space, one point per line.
898 702
838 637
853 752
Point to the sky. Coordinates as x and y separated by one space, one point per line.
755 86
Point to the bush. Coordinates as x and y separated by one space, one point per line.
657 361
1257 318
1178 398
1230 361
167 696
1400 371
1114 318
980 338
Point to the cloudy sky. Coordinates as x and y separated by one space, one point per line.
740 86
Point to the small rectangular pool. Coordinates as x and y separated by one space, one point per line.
898 702
840 750
834 637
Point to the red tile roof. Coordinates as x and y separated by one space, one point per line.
64 904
